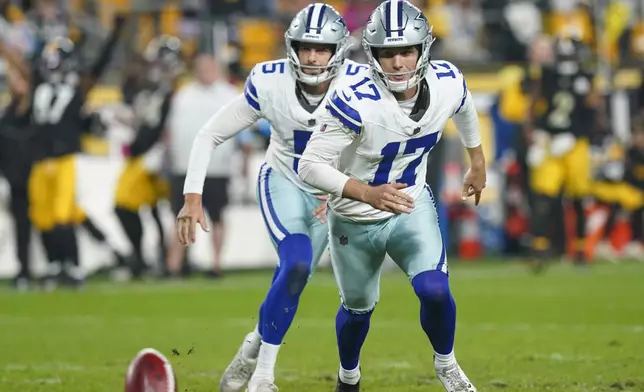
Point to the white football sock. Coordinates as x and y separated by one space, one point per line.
251 344
350 377
266 361
442 360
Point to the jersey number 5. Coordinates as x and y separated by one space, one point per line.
300 139
50 102
390 152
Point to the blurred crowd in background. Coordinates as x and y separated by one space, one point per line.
483 34
212 44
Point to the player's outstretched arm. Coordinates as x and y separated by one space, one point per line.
98 67
16 60
226 123
467 123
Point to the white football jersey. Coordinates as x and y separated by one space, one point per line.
270 90
390 147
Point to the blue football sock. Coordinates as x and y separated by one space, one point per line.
351 331
279 307
260 320
437 309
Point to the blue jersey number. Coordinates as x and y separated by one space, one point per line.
374 95
447 74
300 139
353 69
272 67
390 152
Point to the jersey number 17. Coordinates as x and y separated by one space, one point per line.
391 151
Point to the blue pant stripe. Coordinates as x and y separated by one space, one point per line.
443 258
275 229
270 205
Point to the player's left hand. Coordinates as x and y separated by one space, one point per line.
473 183
320 211
191 213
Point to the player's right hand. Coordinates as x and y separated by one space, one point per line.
320 211
389 198
191 213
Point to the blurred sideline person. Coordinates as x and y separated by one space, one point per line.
619 184
634 177
609 190
190 110
625 193
559 155
58 87
290 94
137 77
16 154
139 184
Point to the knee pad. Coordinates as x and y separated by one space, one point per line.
431 286
359 300
296 255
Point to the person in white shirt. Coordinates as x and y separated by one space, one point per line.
192 107
381 127
289 93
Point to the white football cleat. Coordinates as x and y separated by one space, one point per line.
261 386
454 379
238 372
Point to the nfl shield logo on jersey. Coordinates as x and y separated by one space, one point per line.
344 240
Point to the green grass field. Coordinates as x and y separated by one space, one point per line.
566 330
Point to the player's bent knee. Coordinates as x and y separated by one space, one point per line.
297 277
296 256
431 286
549 189
42 222
358 315
358 300
358 307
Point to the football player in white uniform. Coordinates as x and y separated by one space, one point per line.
288 93
383 125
